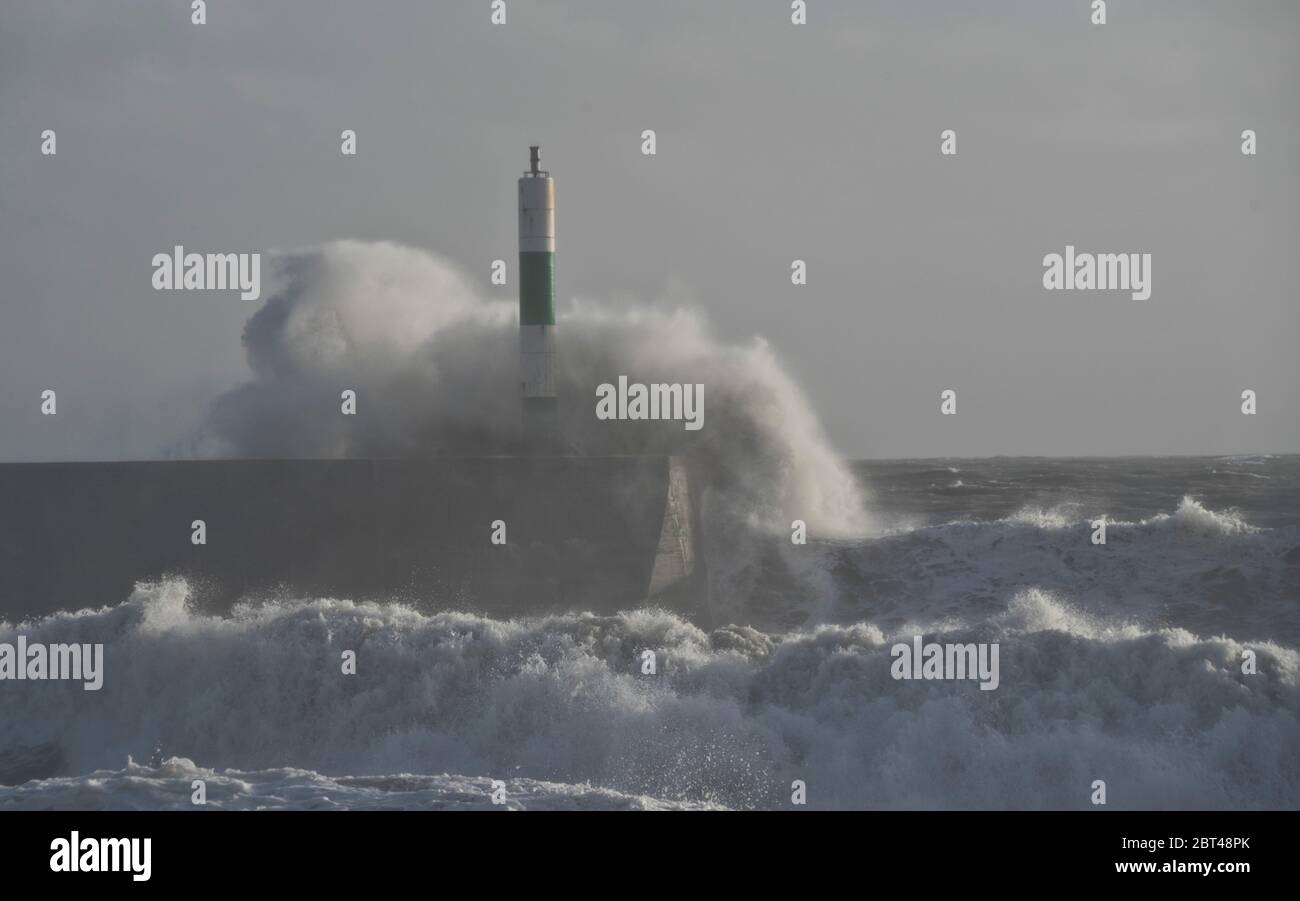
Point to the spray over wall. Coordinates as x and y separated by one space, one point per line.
435 367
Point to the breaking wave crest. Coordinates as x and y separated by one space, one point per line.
558 708
435 370
1191 518
1207 571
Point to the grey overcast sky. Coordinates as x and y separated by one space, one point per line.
775 142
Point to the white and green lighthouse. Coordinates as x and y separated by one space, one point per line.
537 293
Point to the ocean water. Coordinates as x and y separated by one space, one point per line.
1120 662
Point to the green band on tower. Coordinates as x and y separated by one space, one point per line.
537 289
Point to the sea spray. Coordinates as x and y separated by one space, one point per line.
434 368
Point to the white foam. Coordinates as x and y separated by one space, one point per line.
437 366
1208 572
731 718
1193 518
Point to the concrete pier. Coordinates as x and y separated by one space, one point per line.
600 533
